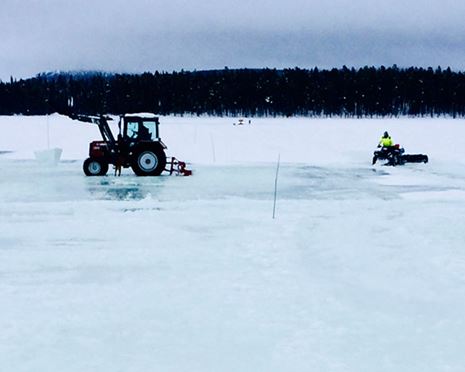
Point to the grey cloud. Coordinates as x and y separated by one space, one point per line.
140 35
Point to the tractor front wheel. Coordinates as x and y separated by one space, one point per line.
149 162
95 167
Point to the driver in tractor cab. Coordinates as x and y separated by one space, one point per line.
143 134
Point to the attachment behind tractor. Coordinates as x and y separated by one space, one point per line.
178 168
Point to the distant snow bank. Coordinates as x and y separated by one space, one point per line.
212 140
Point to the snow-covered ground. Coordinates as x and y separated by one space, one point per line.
362 270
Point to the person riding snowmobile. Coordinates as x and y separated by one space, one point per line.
388 150
386 140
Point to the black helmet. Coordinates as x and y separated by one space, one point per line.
386 135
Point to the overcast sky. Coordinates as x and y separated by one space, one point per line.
167 35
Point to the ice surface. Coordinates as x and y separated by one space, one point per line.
363 269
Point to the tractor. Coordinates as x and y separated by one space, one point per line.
138 145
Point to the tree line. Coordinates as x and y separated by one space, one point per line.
344 92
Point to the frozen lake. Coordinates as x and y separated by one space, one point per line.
362 270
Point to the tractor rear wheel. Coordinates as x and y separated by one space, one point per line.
95 167
149 161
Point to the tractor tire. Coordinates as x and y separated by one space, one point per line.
95 167
149 161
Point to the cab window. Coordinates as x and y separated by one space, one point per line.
132 129
151 126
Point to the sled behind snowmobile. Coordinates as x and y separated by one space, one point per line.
415 158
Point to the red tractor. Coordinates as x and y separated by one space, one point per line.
138 145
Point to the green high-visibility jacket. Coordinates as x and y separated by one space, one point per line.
386 142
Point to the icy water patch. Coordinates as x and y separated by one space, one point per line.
66 183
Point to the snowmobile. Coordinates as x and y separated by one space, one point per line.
395 155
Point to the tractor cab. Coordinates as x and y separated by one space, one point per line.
141 127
